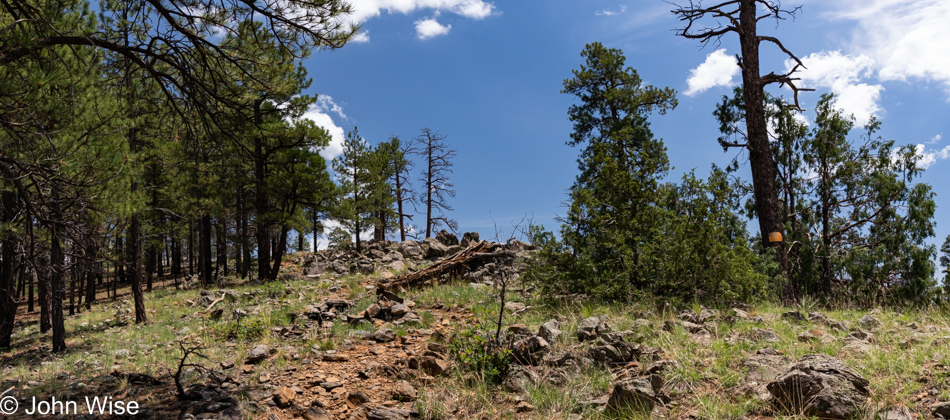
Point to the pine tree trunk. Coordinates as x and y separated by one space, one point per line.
204 253
222 260
45 296
135 236
8 303
760 153
57 271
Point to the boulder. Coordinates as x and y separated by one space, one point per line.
518 379
432 366
795 317
589 328
469 239
821 386
386 413
530 351
403 391
384 335
764 368
316 413
870 322
257 354
447 238
435 249
284 397
636 393
550 330
895 413
769 336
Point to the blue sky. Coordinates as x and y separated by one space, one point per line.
488 76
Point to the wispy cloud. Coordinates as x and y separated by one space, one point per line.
608 12
718 70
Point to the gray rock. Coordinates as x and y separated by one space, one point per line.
769 336
764 368
447 238
636 393
820 385
316 413
435 248
469 239
895 413
550 330
530 351
386 413
514 306
384 335
589 328
795 316
257 354
518 379
122 353
870 322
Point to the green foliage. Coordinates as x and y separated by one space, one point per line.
478 350
247 329
475 351
855 220
626 232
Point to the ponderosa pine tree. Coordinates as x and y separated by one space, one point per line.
613 202
742 18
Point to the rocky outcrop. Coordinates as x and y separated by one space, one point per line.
820 385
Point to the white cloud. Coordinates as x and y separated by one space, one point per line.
320 115
325 103
429 28
906 38
936 139
842 74
361 36
928 158
608 12
718 70
473 9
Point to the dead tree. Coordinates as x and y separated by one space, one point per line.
435 179
742 17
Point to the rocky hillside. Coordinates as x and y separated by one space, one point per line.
328 342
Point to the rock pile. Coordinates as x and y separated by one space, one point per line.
387 257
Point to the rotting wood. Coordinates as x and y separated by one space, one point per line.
472 253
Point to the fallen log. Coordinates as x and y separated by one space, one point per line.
472 253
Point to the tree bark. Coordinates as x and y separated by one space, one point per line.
760 154
8 243
204 252
135 236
